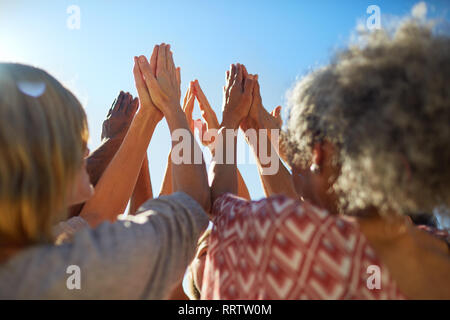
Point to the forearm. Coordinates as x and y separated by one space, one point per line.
143 189
242 187
116 185
166 187
188 176
225 177
98 161
96 165
276 181
268 123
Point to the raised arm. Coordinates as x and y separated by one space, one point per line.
114 129
211 123
276 179
189 176
143 189
116 185
188 106
237 102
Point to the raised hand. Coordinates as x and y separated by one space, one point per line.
164 84
188 105
119 116
208 115
141 64
258 117
276 115
237 96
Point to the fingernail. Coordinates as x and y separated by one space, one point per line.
142 59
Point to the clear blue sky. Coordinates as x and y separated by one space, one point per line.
279 40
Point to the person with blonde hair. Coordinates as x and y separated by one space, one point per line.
368 141
43 137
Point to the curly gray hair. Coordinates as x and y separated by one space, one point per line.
385 106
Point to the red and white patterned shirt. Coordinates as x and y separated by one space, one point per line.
279 248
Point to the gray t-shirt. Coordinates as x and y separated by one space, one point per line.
140 257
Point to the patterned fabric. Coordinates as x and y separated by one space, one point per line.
279 248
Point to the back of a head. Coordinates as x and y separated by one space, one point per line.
385 105
43 130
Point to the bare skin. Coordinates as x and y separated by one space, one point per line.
417 261
114 130
114 188
238 96
258 118
164 89
210 123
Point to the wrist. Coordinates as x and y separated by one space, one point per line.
173 111
249 123
230 121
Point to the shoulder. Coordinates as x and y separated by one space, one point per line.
278 207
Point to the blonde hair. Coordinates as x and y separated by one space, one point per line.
385 106
43 133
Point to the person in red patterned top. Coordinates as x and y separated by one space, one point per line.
367 141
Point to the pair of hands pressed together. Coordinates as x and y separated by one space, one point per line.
158 85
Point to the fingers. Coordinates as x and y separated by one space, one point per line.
188 107
233 73
168 57
112 107
249 86
170 64
257 92
276 114
141 87
131 110
244 70
240 75
230 82
187 96
126 101
118 100
277 111
207 112
203 102
161 61
154 59
179 76
244 75
149 79
190 101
